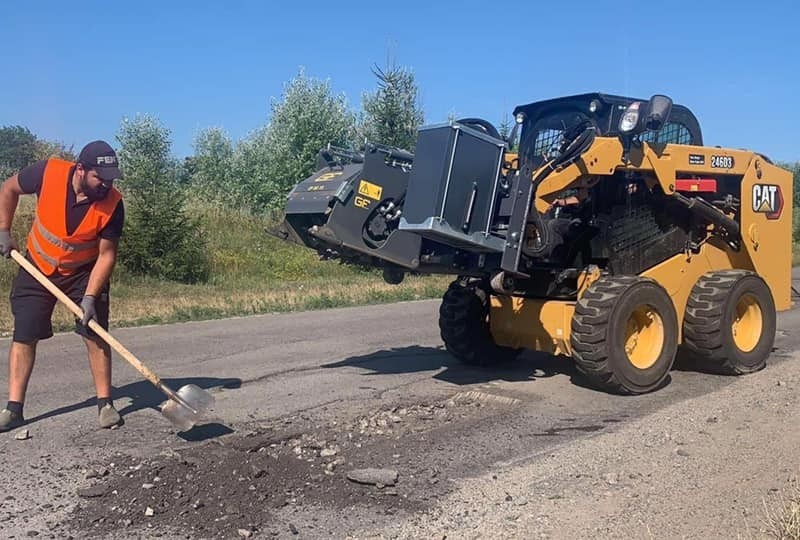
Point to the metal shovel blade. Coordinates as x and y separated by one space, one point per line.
196 402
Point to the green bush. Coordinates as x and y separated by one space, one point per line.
306 118
164 248
160 240
796 224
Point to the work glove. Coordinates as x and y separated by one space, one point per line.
7 243
89 311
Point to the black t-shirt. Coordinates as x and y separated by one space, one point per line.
30 181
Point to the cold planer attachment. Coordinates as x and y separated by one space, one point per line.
431 212
350 209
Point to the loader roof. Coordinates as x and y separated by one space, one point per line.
682 126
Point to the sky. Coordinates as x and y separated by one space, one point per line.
73 70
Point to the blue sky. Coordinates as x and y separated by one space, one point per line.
73 70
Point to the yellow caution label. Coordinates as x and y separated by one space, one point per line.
368 189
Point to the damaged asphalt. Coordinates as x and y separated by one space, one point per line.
327 423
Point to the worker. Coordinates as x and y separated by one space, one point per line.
571 200
73 240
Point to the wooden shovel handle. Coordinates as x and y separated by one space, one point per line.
99 330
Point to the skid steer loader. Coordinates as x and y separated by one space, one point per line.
609 233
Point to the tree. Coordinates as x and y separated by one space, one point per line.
159 240
392 113
273 159
254 173
210 170
186 172
18 148
795 169
54 149
504 128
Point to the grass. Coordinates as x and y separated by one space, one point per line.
782 514
252 272
796 239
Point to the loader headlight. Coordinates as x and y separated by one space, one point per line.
630 120
520 118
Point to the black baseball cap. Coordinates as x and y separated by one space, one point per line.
99 155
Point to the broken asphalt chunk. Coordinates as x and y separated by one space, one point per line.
385 477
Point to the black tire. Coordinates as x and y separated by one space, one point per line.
610 318
730 321
464 326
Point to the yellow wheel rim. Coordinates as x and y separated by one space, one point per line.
748 323
644 337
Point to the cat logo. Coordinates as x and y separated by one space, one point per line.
767 199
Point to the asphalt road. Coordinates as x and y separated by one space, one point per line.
323 367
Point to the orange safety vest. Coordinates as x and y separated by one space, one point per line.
49 245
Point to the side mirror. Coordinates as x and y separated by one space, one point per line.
650 116
658 110
640 117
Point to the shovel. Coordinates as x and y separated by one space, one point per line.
184 407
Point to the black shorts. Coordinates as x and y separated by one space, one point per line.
32 304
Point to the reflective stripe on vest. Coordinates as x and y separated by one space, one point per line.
66 246
53 262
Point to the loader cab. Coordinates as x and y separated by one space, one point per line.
544 122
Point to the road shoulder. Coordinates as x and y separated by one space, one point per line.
700 468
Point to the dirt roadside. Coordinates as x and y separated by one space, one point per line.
701 468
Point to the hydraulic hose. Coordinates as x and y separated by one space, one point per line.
484 125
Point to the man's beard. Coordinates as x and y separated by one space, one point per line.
96 194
